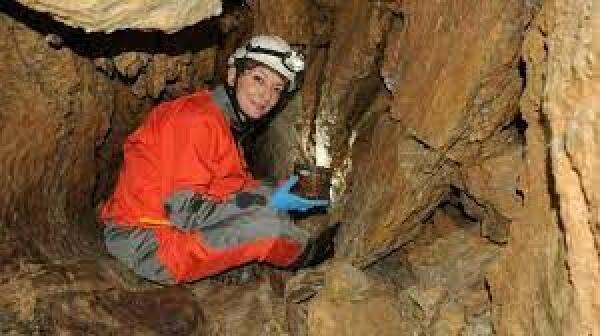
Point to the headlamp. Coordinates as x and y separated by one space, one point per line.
294 62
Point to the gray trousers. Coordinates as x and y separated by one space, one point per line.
244 219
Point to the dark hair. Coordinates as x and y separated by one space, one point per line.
246 64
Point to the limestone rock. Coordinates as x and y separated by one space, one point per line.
252 308
294 21
457 261
385 210
446 108
451 321
111 15
130 63
544 286
448 268
304 285
457 68
353 304
78 296
572 108
57 110
496 181
428 300
345 282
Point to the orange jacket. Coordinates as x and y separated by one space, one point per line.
183 144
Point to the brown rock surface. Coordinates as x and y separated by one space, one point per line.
353 304
56 110
454 88
416 106
572 108
458 69
64 121
92 297
252 308
548 283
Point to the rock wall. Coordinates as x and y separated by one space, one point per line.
70 98
548 281
451 71
56 110
471 104
572 107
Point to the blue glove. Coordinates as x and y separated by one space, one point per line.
283 199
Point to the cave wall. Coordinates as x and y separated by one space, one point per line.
548 281
56 109
571 106
469 97
488 105
69 100
453 78
378 100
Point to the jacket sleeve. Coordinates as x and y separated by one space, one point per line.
191 211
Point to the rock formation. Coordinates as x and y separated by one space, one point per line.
111 15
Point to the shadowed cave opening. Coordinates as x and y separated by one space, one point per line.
430 115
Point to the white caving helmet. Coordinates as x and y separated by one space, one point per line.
275 53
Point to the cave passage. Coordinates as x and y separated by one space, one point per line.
461 139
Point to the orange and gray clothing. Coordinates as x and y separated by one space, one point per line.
185 206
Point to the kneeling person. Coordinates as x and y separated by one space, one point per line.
185 205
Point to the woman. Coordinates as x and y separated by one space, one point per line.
185 206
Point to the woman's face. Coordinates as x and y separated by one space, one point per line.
258 90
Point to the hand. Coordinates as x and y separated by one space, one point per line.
283 199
